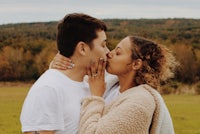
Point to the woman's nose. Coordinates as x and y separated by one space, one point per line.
109 55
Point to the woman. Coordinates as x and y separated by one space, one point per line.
140 65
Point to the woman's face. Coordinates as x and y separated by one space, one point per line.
119 59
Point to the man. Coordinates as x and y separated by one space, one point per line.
52 105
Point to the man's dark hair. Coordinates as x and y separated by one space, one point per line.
74 28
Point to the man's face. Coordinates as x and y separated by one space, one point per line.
99 49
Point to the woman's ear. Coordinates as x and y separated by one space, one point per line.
81 48
137 64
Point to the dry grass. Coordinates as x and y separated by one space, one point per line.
16 84
184 109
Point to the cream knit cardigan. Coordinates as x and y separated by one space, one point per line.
139 110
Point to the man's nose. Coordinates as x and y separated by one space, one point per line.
107 50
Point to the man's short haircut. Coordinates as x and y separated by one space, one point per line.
74 28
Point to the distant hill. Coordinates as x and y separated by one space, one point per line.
169 31
27 48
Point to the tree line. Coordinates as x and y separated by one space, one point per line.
26 49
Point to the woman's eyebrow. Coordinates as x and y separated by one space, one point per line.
118 48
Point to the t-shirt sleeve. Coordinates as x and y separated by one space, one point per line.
42 110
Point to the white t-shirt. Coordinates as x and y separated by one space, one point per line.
112 87
53 103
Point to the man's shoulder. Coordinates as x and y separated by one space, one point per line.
49 79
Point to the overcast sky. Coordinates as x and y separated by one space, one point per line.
15 11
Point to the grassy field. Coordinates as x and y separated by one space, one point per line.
184 109
11 100
185 112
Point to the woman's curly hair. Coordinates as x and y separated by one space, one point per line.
158 62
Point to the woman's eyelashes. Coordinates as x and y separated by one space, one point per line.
117 52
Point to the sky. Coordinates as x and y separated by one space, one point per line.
23 11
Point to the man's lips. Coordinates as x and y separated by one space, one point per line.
107 63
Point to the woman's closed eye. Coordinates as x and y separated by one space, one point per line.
117 52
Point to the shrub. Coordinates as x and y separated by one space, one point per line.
197 88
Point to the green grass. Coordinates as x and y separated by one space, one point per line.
11 100
184 109
185 112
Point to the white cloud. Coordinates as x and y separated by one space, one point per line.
43 10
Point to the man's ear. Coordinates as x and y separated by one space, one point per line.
82 48
137 64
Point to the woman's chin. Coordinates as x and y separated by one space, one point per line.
109 70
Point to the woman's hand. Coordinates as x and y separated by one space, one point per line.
61 62
96 78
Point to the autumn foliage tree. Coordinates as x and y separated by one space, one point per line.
26 49
188 70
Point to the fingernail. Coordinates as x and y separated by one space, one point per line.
101 59
69 67
72 64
